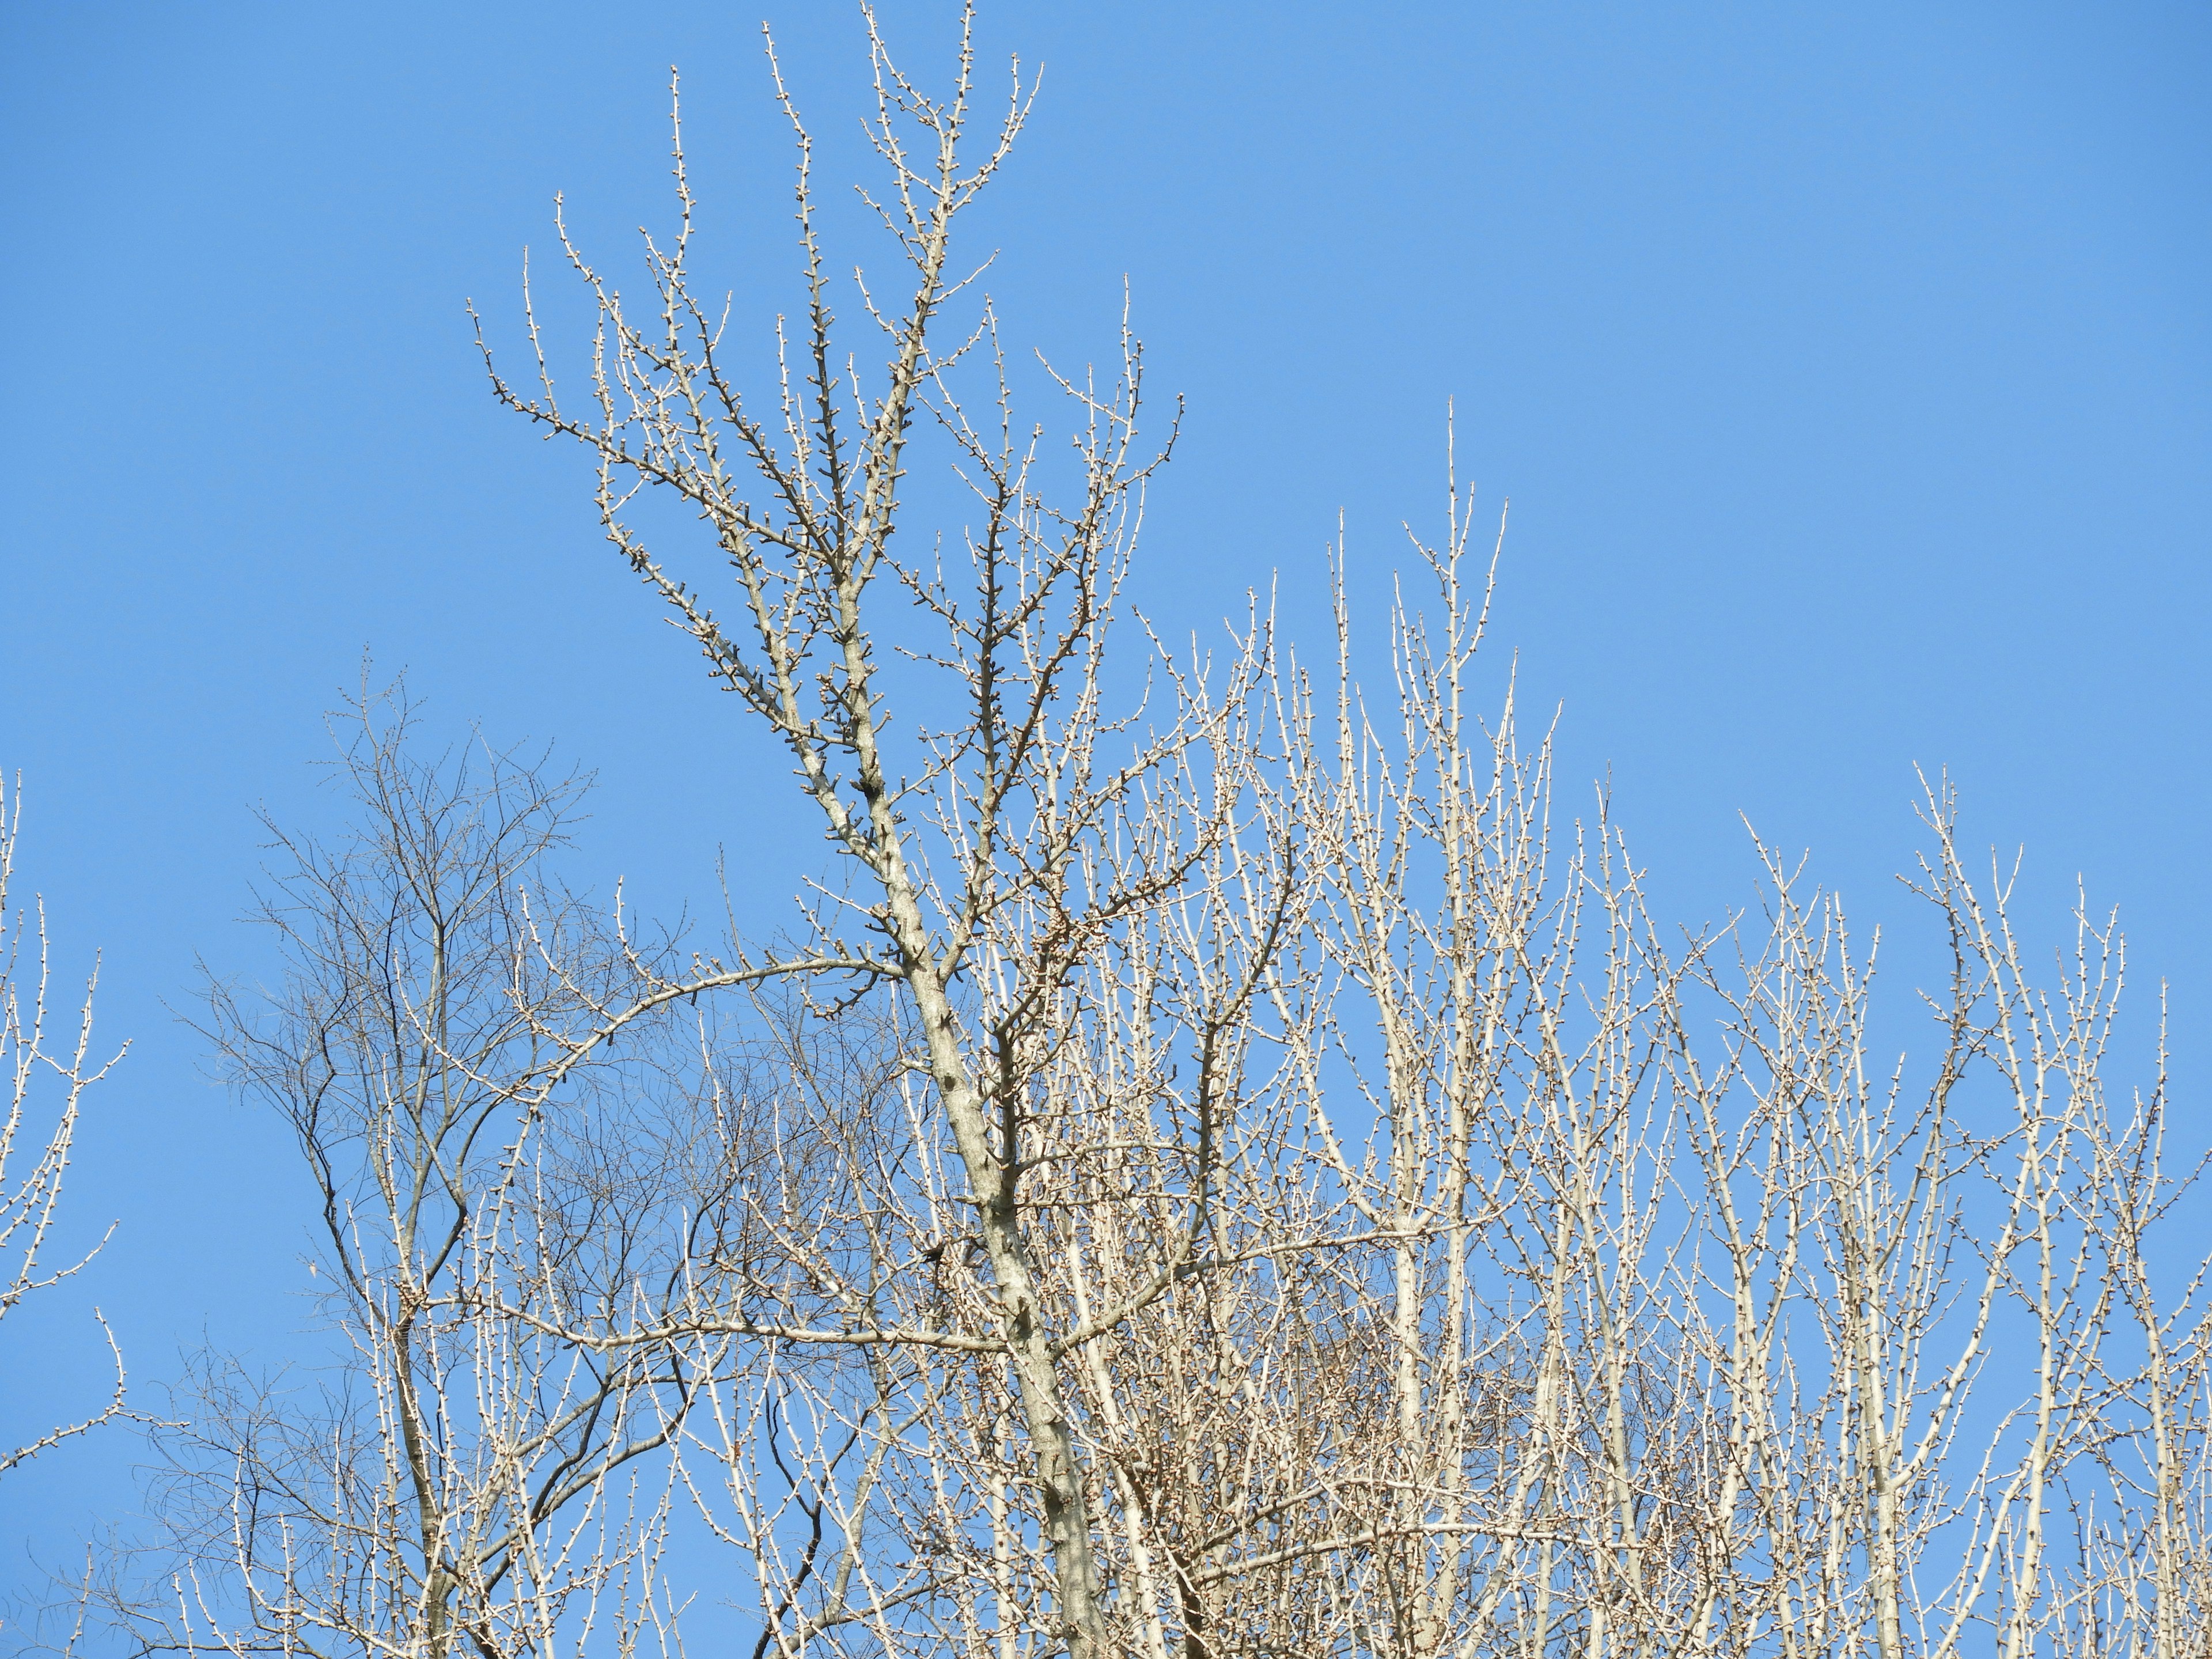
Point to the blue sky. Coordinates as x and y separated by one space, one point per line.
1849 370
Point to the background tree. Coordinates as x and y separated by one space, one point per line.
461 1481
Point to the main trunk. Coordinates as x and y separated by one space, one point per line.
1036 1373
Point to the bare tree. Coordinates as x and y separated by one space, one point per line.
462 1479
1689 1318
1053 895
1225 1166
1254 1184
32 1170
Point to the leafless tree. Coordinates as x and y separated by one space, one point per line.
1692 1320
1226 1167
1057 898
1290 1195
46 1088
460 1478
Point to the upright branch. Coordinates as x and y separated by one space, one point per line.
46 1092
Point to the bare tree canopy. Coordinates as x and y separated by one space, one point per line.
1224 1166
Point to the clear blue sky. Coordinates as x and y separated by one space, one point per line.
1849 369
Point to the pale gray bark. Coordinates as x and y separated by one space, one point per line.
45 1086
